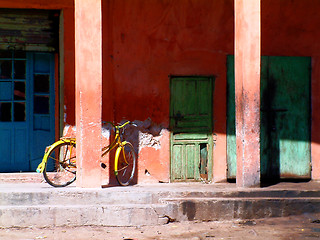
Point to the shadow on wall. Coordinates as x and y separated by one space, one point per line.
285 135
146 139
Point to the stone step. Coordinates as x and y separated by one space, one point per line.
78 215
40 205
178 209
270 194
244 194
123 195
76 197
218 208
31 177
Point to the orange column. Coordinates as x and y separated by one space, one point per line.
315 119
88 71
247 90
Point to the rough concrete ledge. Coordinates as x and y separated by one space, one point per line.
190 209
50 216
69 198
31 177
25 205
212 209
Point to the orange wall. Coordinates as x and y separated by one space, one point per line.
291 28
144 43
69 65
155 39
147 41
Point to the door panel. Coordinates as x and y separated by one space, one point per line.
20 148
285 118
6 145
191 104
5 91
186 161
13 108
191 128
231 121
42 113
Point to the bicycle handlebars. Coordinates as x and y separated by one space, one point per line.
123 125
128 122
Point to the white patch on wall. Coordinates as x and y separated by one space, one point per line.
148 140
146 134
65 129
105 132
65 114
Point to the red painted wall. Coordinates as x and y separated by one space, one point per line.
69 65
146 42
149 40
291 28
155 39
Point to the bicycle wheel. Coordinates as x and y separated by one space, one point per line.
125 165
64 159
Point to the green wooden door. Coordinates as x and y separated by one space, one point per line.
285 118
191 128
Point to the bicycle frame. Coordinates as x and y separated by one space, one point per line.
115 143
105 150
41 166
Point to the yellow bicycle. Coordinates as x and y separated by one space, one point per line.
62 154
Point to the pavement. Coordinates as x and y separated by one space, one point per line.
302 227
35 204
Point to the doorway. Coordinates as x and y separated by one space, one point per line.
191 127
285 118
26 108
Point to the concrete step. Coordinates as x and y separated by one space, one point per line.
40 205
75 197
270 194
48 206
78 215
31 177
256 193
224 208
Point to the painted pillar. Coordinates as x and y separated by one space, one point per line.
315 118
247 91
88 71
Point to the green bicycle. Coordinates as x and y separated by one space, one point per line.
63 155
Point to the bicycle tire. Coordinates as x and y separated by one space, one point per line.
125 164
64 158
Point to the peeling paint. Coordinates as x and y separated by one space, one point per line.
146 134
69 131
105 132
148 140
65 114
